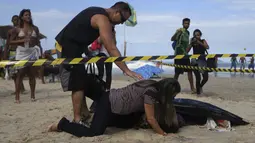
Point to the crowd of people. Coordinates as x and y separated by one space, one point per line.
242 62
92 32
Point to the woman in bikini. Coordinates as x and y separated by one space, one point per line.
124 107
28 48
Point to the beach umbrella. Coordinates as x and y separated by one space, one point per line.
132 20
5 28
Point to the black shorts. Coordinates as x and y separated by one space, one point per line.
73 77
181 62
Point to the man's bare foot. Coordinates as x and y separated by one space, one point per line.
33 100
17 101
53 128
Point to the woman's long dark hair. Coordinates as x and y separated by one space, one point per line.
21 21
163 109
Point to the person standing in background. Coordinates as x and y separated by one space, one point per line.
26 37
242 63
200 47
10 53
233 63
181 38
251 65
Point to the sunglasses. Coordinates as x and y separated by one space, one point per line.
122 17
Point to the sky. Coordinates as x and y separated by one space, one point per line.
227 25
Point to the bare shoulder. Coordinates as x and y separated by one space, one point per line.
14 30
99 19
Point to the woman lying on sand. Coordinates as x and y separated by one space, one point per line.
124 107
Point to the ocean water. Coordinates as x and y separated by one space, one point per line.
170 70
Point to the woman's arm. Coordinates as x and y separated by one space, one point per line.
149 111
204 44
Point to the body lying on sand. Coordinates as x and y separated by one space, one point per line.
146 104
125 106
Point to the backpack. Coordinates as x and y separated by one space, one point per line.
175 42
95 45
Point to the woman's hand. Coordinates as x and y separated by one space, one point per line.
149 111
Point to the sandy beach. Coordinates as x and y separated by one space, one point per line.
28 121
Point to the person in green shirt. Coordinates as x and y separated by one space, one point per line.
181 38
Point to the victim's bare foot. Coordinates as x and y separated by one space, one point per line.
53 128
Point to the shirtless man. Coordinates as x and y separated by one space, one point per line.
80 32
10 53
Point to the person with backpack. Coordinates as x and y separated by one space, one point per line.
199 46
180 44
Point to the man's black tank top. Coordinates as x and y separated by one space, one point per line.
79 29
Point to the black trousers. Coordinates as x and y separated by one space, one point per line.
199 83
102 119
108 71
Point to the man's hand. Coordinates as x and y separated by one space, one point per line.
133 75
180 30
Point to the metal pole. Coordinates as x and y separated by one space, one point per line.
125 42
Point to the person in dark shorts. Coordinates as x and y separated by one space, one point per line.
124 107
182 43
80 32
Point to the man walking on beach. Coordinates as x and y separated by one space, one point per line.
181 37
251 65
80 32
242 62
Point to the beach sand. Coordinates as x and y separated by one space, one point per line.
29 121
